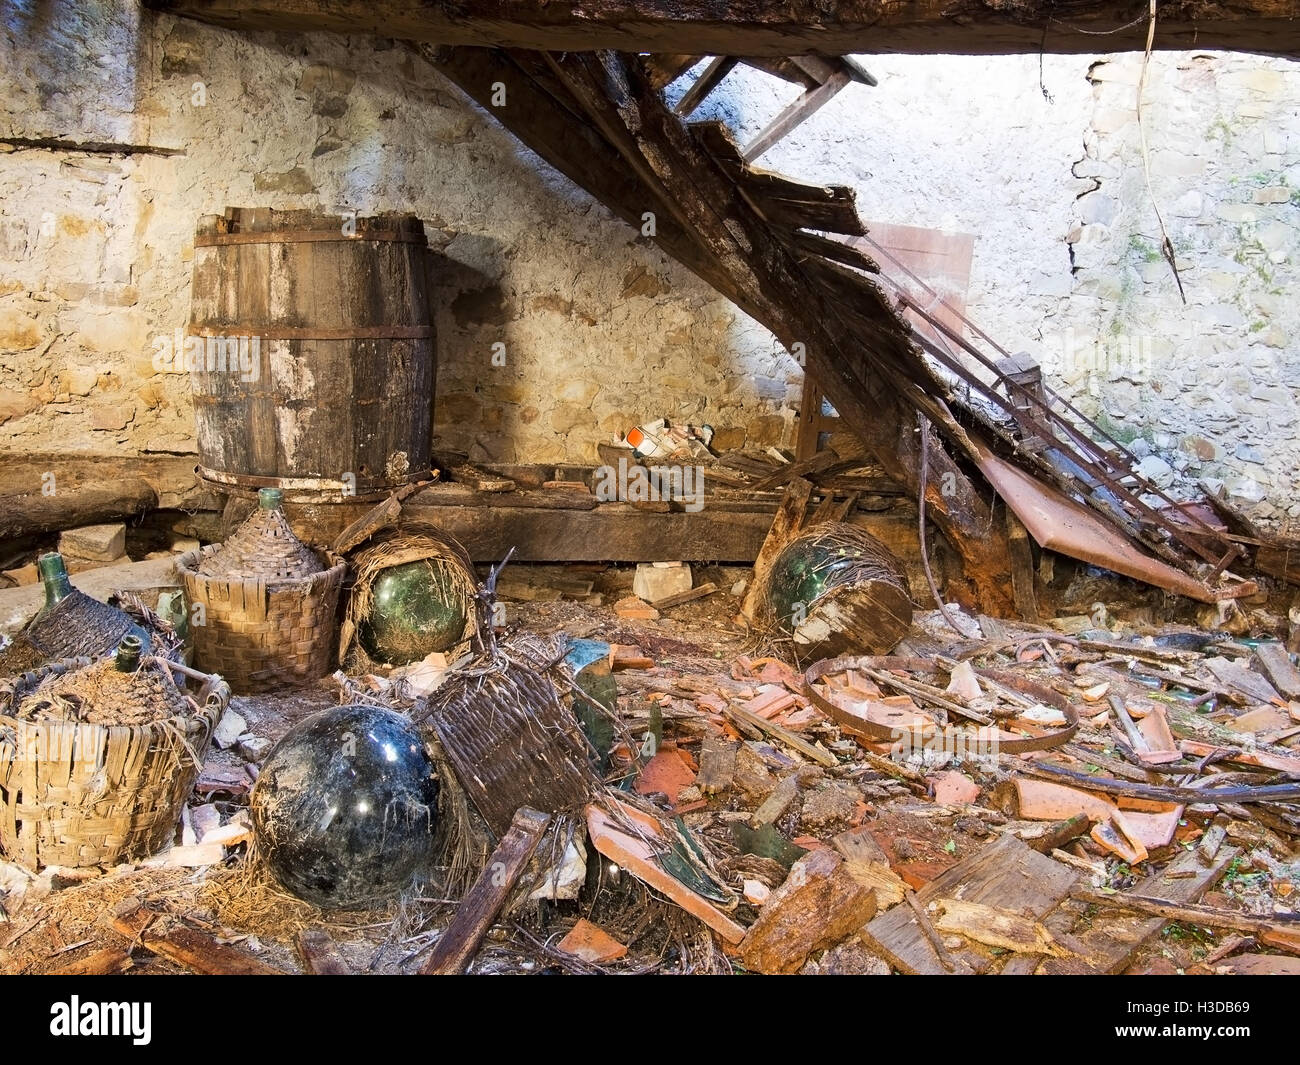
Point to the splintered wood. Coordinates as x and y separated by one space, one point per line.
1007 876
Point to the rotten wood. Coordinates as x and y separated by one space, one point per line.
742 717
107 962
819 904
771 28
49 493
320 954
457 946
786 524
1006 874
1190 913
190 948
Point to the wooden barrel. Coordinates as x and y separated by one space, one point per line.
311 353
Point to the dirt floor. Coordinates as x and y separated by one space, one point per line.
924 815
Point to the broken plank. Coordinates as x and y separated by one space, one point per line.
1006 873
717 765
688 596
320 954
743 717
191 949
1191 913
785 525
795 115
1279 669
1023 588
710 78
996 927
457 946
106 962
818 463
1111 940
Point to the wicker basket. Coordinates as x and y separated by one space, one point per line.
263 634
270 608
78 794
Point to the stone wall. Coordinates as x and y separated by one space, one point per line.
602 331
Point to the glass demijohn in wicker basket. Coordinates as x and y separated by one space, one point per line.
262 606
98 757
71 623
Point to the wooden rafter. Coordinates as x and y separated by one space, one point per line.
782 27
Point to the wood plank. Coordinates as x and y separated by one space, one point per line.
786 524
773 27
320 954
42 493
753 721
1279 669
711 77
795 114
457 946
611 532
1111 939
688 596
106 962
1022 569
191 949
1006 874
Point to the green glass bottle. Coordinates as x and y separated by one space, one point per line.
72 624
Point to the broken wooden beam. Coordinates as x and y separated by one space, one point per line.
107 962
1189 912
457 946
786 524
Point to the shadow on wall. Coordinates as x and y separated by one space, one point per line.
473 324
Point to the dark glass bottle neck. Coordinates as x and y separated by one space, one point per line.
127 659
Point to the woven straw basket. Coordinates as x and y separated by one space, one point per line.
81 794
270 608
263 633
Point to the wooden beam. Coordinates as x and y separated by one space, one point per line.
457 946
781 27
795 114
49 493
320 954
719 67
